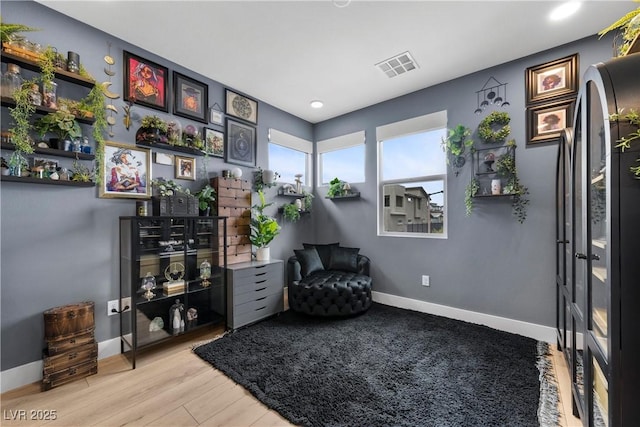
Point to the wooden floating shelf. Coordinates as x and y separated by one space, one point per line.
30 180
53 152
479 196
61 74
169 147
9 102
348 196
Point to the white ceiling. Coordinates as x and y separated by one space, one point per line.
288 53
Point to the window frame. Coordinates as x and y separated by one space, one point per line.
337 143
417 125
292 142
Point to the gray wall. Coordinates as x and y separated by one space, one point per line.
490 263
60 244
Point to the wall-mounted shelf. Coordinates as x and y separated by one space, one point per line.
53 152
59 73
42 110
30 180
169 147
350 196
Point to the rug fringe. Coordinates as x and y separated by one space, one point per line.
201 343
548 414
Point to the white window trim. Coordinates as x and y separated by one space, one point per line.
414 125
295 143
338 143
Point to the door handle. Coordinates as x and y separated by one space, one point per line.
595 257
578 255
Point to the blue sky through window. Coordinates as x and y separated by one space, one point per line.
346 164
287 162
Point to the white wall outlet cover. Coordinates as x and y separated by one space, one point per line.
164 159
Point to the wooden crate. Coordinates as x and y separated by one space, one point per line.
68 320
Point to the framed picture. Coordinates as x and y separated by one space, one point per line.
241 144
145 82
545 122
127 171
241 107
554 79
214 142
190 97
216 115
185 168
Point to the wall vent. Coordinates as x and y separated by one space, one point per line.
396 65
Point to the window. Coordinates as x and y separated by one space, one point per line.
290 155
341 157
412 176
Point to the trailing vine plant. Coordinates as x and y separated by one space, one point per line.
95 103
487 129
506 167
624 143
469 193
21 114
47 66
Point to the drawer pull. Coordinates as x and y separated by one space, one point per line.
261 281
260 299
260 266
73 356
261 289
72 314
260 274
261 308
72 371
72 341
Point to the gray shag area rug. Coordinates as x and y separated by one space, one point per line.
388 367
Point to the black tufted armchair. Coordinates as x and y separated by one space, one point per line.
326 285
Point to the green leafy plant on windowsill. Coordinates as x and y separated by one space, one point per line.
337 188
624 143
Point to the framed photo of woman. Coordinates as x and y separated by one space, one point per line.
185 168
552 80
126 171
145 82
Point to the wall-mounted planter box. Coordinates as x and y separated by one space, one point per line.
355 195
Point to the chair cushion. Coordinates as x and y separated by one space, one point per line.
344 259
309 261
323 250
331 293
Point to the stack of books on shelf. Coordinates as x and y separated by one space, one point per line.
174 287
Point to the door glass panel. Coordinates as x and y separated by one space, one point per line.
569 336
579 265
562 326
560 212
600 389
598 224
578 366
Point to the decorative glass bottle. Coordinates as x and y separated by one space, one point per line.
148 285
11 81
35 97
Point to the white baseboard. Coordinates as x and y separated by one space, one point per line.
531 330
32 372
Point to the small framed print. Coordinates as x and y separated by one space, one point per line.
216 116
185 168
213 142
190 97
555 79
126 171
241 107
545 122
241 144
145 82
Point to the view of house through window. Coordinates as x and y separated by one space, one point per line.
288 156
412 177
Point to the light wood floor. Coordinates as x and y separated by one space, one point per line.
170 386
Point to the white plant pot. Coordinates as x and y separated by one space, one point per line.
496 187
263 254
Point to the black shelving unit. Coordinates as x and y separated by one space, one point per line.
59 73
350 196
47 181
173 251
169 147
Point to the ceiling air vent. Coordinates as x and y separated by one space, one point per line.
398 64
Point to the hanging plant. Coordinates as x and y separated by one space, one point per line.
47 66
291 212
469 193
94 102
457 140
624 143
487 128
21 114
520 201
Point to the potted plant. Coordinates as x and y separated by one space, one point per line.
17 164
263 228
290 212
152 129
61 123
337 188
206 196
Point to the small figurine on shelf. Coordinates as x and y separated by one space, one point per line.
177 317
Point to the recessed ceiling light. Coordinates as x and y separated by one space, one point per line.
317 104
565 10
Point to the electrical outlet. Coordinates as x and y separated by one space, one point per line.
425 281
125 304
113 307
